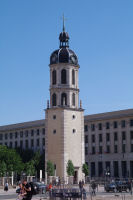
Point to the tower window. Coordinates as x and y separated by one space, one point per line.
74 130
63 76
54 116
54 77
73 77
54 131
54 99
63 99
73 99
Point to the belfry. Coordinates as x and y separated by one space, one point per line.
64 117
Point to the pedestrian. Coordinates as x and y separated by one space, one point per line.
6 187
27 188
50 189
22 192
93 186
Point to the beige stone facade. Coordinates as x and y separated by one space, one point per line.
109 143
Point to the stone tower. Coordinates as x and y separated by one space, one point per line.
64 117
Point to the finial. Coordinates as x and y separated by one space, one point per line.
63 23
80 104
48 104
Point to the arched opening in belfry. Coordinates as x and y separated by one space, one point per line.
63 77
54 77
73 99
54 99
63 99
73 77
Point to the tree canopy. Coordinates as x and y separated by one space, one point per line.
85 169
70 168
50 168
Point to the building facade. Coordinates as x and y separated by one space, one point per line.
64 119
104 141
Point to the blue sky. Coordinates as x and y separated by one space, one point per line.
101 34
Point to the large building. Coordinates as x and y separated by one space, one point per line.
104 141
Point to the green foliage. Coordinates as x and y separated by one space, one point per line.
30 168
70 168
25 154
10 160
2 168
85 169
50 168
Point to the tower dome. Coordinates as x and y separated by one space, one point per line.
63 54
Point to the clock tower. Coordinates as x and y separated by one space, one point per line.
64 117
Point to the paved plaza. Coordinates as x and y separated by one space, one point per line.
100 195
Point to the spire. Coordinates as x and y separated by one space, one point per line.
64 37
63 23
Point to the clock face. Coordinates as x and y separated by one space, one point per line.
54 57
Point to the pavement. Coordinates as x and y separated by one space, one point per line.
100 195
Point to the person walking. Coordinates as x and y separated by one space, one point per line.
27 188
6 187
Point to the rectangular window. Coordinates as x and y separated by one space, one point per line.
16 134
43 141
100 126
16 144
11 135
93 150
26 144
108 149
123 148
38 142
32 143
92 127
10 145
123 135
86 139
86 150
21 133
100 138
131 147
21 144
131 122
43 131
115 136
26 133
100 149
115 149
115 124
6 136
93 138
131 135
107 137
32 132
86 128
123 123
38 131
1 136
107 125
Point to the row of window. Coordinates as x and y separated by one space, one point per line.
25 133
115 137
123 149
107 125
63 77
63 99
26 143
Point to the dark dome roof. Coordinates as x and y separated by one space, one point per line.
63 55
64 37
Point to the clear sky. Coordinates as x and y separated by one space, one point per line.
101 34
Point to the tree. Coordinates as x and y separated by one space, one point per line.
30 168
2 168
85 169
50 168
70 168
12 160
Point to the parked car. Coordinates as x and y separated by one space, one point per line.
39 187
122 186
110 187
